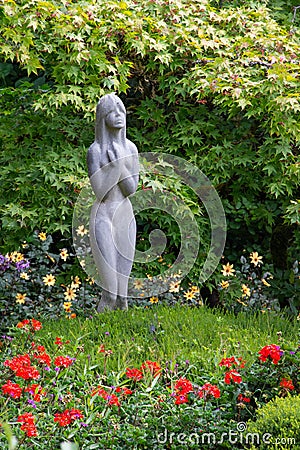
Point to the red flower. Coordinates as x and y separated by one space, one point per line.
232 375
183 386
23 323
135 374
35 324
151 366
43 358
241 398
36 391
111 399
241 363
124 390
63 361
209 389
59 342
228 362
101 349
12 389
287 384
273 351
67 417
28 426
22 367
182 398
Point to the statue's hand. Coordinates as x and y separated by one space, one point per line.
116 152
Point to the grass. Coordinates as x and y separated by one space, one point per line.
202 336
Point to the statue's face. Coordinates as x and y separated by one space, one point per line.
117 117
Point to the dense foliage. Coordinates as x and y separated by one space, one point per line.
215 82
279 418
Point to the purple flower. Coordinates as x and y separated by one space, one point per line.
82 424
107 333
32 403
6 337
21 265
292 353
4 263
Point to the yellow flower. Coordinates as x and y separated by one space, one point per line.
174 286
246 291
153 300
24 276
178 274
19 257
138 284
149 277
49 280
81 230
64 254
16 256
195 289
228 269
75 284
20 298
265 282
160 259
90 280
224 284
67 306
189 295
42 236
70 294
255 259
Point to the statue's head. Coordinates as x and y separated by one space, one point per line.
106 104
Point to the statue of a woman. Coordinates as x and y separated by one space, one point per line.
113 170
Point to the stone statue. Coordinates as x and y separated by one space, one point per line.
113 171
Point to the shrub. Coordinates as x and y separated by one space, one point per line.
280 420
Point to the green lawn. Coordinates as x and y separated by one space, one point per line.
202 336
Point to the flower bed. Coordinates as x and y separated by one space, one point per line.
47 398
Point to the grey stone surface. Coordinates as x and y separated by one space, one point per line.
113 171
